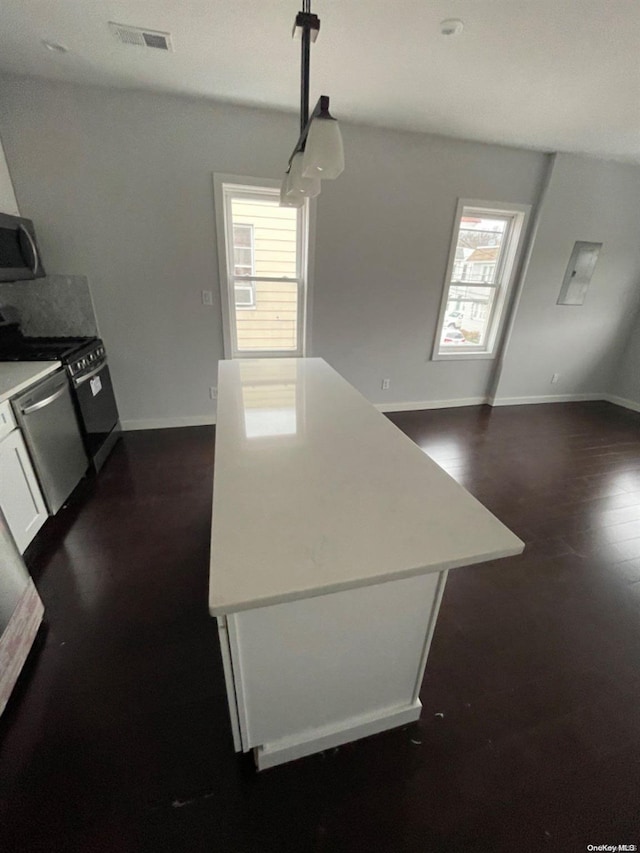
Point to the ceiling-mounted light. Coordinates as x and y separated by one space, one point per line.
319 152
289 199
323 156
308 185
295 187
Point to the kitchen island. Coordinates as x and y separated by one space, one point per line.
332 537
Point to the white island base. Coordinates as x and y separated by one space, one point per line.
332 537
311 674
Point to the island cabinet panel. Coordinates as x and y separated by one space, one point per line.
330 660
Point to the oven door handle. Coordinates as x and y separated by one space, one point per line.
82 379
47 400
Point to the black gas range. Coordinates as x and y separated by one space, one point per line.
17 347
85 361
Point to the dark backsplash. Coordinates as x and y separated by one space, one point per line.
57 305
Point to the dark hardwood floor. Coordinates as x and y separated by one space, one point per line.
118 739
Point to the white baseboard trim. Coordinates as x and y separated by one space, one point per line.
634 405
208 420
547 398
430 404
318 740
164 423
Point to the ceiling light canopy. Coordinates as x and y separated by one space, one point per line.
319 152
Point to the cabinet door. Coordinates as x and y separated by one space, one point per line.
20 496
7 423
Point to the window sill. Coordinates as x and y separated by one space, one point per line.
462 356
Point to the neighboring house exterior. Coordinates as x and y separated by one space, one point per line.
473 266
264 237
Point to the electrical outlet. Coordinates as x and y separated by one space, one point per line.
213 392
555 378
207 297
386 384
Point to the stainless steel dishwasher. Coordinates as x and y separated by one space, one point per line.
48 421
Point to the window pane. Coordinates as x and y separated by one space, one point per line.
274 235
466 322
244 295
242 235
273 323
243 261
478 248
243 250
243 255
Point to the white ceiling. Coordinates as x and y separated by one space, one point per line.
550 74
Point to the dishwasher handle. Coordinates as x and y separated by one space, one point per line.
47 400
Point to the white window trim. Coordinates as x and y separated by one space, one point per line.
306 249
510 256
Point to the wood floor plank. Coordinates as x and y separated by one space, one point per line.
118 738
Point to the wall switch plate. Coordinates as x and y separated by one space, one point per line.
207 297
555 378
213 392
386 384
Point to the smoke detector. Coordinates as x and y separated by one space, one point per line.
451 27
141 36
55 47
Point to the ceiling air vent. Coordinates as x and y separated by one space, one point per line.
141 37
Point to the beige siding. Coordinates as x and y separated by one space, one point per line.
274 236
272 323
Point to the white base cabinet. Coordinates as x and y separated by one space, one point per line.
21 500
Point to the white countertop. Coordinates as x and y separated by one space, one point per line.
316 491
15 376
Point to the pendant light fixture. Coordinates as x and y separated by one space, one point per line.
319 153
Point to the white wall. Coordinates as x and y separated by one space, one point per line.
592 200
120 188
626 377
383 238
8 203
119 185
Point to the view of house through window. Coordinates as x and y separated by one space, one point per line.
265 275
243 265
483 256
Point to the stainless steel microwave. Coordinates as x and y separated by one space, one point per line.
19 255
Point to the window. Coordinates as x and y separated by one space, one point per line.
262 251
484 251
245 291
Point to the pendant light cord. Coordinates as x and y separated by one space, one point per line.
305 70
